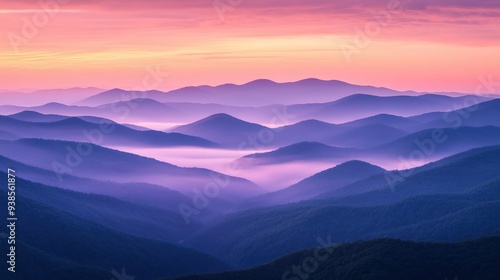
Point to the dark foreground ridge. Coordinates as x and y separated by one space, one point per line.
380 259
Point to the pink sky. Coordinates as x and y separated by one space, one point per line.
426 45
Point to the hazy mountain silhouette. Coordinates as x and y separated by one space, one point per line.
85 207
482 114
359 106
32 116
138 193
101 164
144 109
309 130
224 129
126 217
323 182
68 237
449 141
452 175
38 97
403 123
119 95
303 151
6 135
255 93
284 229
367 136
104 132
260 93
445 203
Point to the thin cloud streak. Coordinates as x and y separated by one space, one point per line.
296 39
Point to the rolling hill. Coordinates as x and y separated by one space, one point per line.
303 151
367 136
144 109
380 259
67 237
403 123
358 106
138 193
118 95
134 219
224 129
480 114
452 175
283 229
258 93
105 132
435 143
32 116
68 95
429 205
320 183
306 131
100 163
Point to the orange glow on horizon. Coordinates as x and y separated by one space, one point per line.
86 43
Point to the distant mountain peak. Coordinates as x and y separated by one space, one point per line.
305 147
221 119
221 128
26 113
350 169
54 104
387 116
220 116
358 96
308 144
311 80
313 121
357 164
261 82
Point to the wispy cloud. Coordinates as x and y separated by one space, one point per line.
294 39
35 11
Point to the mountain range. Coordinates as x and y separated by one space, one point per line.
310 179
77 246
430 197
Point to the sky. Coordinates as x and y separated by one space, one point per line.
423 45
